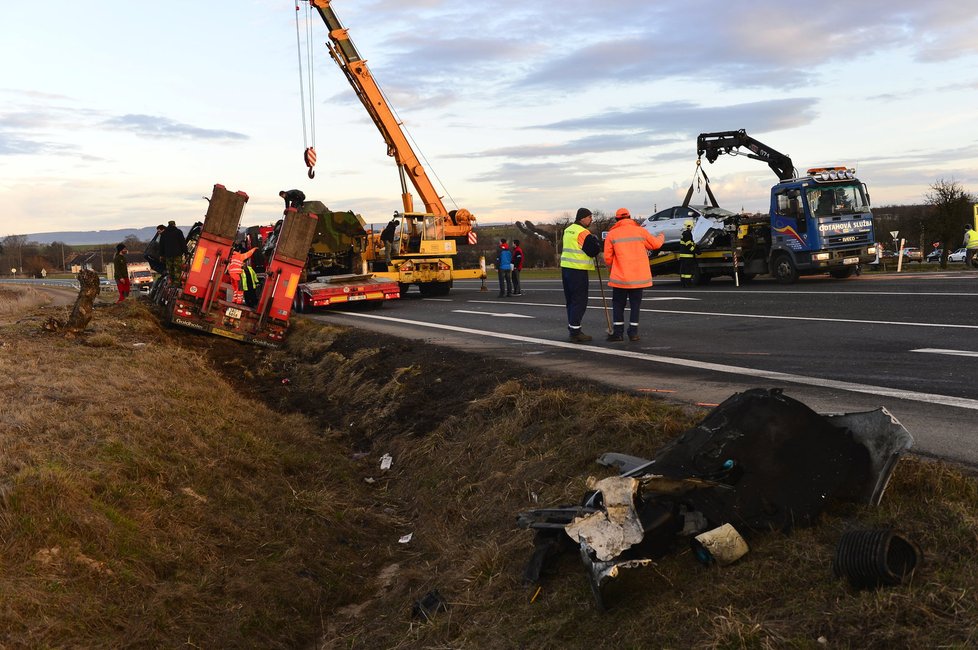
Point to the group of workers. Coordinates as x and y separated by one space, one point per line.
626 255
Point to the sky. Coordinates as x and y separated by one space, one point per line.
125 114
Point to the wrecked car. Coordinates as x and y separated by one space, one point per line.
759 461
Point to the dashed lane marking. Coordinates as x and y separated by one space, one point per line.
957 353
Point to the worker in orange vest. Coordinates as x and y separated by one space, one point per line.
236 268
625 253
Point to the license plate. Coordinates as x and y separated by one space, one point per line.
352 298
233 313
851 260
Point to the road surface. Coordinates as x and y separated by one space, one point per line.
908 343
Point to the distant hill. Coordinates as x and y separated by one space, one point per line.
95 237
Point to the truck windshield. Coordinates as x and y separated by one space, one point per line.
837 199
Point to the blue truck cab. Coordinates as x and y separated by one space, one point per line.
819 223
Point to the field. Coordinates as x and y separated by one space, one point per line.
160 488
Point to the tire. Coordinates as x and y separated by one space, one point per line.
842 274
784 270
301 303
403 287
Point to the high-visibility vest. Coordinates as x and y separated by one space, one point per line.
249 279
971 239
625 252
572 256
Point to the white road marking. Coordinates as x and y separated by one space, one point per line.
958 353
882 391
761 316
489 313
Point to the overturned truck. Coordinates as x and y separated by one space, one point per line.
202 297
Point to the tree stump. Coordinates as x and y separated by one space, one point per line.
81 314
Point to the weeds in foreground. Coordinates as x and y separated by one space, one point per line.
178 482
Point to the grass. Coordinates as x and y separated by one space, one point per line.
162 488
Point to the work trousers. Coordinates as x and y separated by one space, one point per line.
687 269
619 297
174 267
516 281
969 256
123 286
505 282
575 283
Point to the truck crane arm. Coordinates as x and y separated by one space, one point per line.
345 54
713 144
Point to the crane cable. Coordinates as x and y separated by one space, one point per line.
309 155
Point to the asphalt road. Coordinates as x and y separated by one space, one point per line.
908 343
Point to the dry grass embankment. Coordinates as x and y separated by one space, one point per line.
162 488
17 299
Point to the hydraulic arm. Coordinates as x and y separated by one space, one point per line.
713 144
344 52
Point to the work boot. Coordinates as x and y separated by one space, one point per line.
579 337
634 337
614 337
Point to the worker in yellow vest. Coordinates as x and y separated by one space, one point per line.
971 244
577 255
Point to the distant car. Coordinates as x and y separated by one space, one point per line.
934 255
912 255
887 255
958 255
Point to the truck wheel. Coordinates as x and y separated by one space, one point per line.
403 288
842 274
784 270
301 303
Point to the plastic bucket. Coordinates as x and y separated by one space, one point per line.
873 558
722 546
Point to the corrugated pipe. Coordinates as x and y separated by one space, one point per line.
873 558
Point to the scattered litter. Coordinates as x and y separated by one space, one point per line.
429 604
357 455
370 479
193 495
138 345
385 462
405 538
874 558
720 546
285 380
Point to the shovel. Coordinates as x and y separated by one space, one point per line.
604 301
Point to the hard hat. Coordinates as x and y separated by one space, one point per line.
688 223
622 213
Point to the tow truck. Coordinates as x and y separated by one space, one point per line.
202 300
819 222
426 242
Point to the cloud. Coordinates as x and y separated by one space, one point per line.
152 126
689 119
574 45
582 146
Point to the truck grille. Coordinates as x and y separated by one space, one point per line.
856 239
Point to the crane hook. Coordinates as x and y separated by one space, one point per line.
310 158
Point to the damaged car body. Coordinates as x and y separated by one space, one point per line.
759 461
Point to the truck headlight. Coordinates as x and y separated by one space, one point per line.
871 250
821 257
